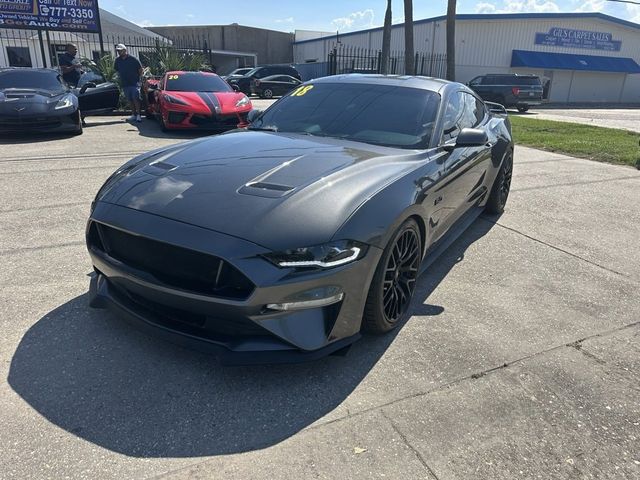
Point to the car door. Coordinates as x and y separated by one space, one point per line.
279 84
465 167
95 95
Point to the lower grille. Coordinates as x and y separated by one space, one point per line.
171 265
177 117
220 121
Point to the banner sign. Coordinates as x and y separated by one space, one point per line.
62 15
564 37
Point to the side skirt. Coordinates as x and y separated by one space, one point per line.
451 236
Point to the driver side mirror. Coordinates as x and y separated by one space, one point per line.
468 137
253 115
87 86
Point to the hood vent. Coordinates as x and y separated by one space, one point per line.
265 189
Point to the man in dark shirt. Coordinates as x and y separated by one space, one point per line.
70 66
129 70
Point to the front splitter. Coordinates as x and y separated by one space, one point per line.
257 351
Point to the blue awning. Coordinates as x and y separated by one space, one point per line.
568 61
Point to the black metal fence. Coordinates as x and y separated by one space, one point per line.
348 59
31 48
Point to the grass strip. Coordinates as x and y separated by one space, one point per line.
609 145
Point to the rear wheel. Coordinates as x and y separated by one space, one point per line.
501 187
267 93
394 281
523 109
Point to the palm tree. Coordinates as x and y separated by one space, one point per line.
409 63
451 40
386 40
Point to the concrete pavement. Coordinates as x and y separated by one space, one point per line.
521 358
623 118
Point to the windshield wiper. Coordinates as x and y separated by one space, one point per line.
263 129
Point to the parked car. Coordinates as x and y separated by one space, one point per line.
238 72
284 241
38 99
244 83
186 100
274 86
510 90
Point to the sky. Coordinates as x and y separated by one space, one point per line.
333 15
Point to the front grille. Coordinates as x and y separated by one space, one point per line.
30 122
171 265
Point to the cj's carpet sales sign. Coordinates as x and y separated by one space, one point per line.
564 37
68 15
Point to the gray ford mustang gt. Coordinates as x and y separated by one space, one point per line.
284 241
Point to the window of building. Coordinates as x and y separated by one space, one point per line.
19 56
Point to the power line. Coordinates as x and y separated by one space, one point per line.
624 1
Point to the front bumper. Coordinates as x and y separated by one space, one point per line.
39 123
242 329
219 122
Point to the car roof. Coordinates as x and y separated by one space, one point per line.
265 79
425 83
9 69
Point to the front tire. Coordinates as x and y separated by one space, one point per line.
394 281
79 127
501 187
523 109
267 93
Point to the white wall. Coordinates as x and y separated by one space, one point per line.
485 46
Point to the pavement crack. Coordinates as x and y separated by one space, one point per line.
474 376
566 252
406 441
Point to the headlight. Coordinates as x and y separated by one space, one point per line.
328 255
174 100
64 102
243 101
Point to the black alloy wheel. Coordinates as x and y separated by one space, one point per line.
501 187
395 279
523 109
267 93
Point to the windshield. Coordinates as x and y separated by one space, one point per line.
33 80
380 114
196 82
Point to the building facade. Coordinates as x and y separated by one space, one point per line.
583 57
234 45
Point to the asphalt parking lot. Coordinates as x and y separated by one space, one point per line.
521 359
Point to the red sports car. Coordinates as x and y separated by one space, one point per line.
185 100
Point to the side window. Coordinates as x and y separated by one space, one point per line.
489 80
262 73
473 112
475 81
481 110
452 114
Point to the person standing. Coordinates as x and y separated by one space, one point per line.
129 70
70 65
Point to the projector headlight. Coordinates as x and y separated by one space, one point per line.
328 255
65 102
243 102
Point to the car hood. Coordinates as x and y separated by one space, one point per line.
19 101
274 189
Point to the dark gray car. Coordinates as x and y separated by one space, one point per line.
285 241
